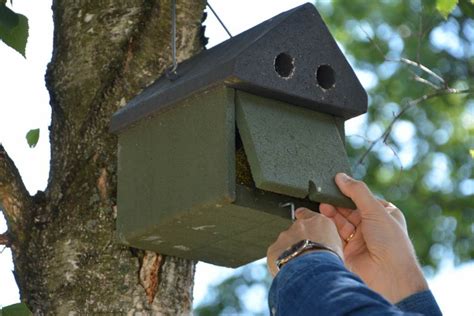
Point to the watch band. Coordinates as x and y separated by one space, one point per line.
299 248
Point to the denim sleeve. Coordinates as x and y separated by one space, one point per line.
422 302
317 283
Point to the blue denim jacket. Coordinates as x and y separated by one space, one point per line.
317 283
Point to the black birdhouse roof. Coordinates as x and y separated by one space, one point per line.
291 57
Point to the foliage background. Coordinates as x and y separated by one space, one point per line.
425 166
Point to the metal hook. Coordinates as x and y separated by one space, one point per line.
292 209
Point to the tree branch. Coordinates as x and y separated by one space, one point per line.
440 87
421 67
5 239
409 105
399 160
409 62
13 194
424 81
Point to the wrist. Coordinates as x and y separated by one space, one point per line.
409 281
322 250
301 247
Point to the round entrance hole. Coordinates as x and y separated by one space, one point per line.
326 77
284 65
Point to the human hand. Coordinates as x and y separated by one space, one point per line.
308 225
379 251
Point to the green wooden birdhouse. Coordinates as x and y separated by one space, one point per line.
206 160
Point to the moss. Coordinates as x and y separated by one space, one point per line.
243 173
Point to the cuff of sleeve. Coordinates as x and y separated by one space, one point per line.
422 302
297 271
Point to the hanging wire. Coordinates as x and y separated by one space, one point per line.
173 34
218 19
172 74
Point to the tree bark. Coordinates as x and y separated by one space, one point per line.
67 259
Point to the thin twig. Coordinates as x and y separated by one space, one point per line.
422 33
399 161
420 36
422 67
405 60
361 136
439 90
424 81
408 106
373 42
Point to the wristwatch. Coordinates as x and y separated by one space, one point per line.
298 248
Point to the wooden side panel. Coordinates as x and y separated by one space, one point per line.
179 160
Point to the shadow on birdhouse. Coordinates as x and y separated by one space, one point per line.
205 160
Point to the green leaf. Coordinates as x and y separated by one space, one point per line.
471 151
32 137
445 7
19 309
17 36
8 18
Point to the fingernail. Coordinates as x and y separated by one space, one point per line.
344 177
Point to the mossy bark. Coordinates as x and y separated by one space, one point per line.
67 259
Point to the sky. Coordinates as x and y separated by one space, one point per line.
24 105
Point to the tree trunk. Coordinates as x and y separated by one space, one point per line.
67 259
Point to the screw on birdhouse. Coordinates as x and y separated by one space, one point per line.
292 209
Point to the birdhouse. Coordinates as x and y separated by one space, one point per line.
205 160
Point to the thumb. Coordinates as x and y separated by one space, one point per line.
360 194
304 213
